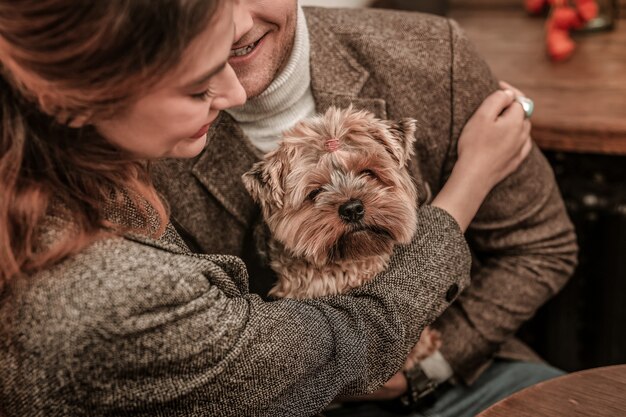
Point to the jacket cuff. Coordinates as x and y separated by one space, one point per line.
432 214
437 368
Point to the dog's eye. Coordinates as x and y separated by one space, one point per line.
369 173
314 194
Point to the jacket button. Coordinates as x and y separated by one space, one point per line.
452 292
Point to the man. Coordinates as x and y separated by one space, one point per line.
293 64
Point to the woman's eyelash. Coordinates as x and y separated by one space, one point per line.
205 95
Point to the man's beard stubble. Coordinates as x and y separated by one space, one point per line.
274 68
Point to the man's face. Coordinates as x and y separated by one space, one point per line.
263 41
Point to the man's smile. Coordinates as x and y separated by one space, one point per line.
246 49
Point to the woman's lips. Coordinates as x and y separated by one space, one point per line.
203 131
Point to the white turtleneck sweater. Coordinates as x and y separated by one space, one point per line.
286 101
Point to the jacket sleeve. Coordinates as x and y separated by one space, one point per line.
206 347
522 238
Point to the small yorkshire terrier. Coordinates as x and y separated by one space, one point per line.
337 196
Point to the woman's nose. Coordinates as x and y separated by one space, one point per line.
230 91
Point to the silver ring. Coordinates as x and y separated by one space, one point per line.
527 104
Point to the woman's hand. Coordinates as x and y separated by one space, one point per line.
495 140
492 145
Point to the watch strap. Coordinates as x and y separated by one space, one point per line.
419 386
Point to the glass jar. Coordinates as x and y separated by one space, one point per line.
607 16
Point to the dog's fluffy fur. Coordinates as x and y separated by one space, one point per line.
337 196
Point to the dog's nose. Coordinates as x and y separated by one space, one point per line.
352 211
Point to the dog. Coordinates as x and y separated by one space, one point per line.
336 196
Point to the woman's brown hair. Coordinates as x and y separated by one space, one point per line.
78 57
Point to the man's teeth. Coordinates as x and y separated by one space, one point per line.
243 51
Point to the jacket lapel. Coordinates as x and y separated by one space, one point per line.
227 156
337 78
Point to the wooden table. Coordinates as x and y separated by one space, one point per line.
580 104
599 392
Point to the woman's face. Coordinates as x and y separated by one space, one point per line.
172 119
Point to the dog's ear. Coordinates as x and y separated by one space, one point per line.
254 181
398 138
403 135
264 182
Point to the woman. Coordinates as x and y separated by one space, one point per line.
103 309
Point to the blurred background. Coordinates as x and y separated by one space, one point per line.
580 124
337 3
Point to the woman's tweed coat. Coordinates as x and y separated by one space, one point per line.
140 327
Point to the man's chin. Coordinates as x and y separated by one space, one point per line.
256 91
257 74
255 84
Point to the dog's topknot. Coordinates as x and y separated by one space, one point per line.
331 144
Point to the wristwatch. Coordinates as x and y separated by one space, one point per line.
419 387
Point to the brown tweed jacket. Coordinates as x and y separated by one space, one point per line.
135 326
398 64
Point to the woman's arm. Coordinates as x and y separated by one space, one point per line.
493 144
125 328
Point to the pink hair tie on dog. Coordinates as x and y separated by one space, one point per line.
331 144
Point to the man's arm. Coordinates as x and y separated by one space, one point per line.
522 236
